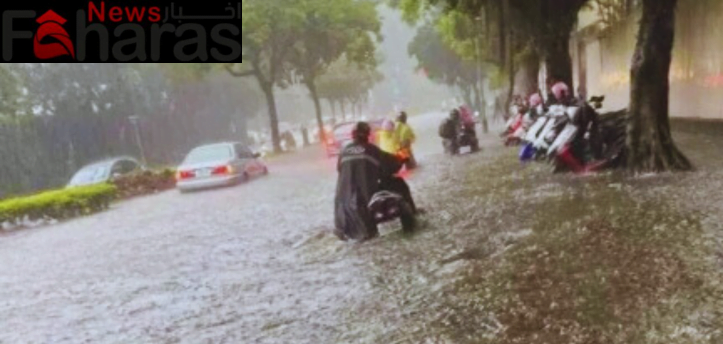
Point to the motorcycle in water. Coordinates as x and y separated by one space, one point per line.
465 137
386 206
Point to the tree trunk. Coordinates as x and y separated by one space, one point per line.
273 115
558 60
483 106
556 51
503 8
333 111
528 75
649 141
343 111
317 106
466 93
511 72
479 104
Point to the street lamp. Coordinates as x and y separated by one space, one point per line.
136 125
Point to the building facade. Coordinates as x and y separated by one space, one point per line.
603 46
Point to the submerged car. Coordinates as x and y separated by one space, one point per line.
216 165
105 171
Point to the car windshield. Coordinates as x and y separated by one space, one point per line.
209 154
91 175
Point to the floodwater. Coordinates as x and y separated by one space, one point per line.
501 245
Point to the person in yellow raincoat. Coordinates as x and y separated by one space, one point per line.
406 138
388 140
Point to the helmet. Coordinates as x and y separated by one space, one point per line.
560 90
535 100
387 125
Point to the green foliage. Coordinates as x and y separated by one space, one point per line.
440 62
411 9
347 82
185 72
57 204
11 100
63 116
332 30
271 30
458 31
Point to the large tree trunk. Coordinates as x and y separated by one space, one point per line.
503 8
317 106
557 56
480 104
268 90
650 144
528 75
511 72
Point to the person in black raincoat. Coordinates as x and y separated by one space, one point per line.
364 169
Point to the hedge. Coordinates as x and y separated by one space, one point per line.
57 204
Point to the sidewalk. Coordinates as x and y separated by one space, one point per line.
515 254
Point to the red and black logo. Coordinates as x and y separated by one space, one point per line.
51 25
122 31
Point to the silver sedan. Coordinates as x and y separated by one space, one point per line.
216 165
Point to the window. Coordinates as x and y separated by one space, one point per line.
243 152
127 166
90 175
209 154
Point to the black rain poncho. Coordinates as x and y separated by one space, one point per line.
361 168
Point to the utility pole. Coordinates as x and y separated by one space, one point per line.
136 125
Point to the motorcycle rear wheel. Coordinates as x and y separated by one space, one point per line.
409 221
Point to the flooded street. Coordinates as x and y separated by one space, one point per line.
257 264
221 266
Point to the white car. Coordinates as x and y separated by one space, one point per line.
216 165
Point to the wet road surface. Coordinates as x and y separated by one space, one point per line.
221 266
257 264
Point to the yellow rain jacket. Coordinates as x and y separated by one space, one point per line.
388 141
405 134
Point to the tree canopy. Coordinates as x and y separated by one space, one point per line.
331 30
57 117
